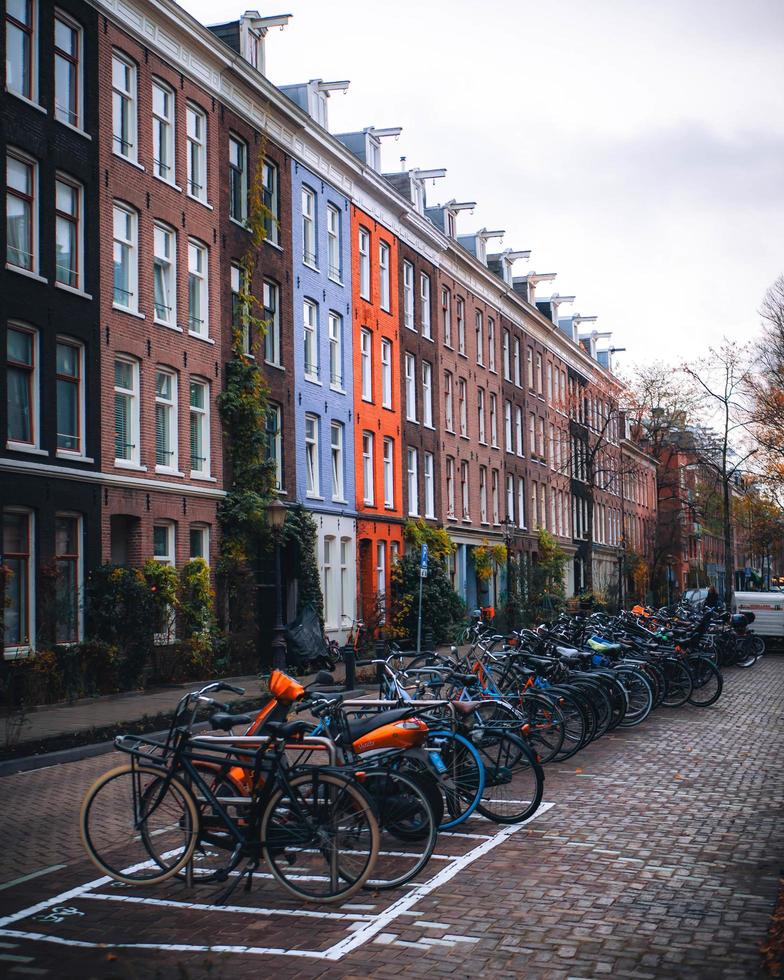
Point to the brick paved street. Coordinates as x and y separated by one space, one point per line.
660 857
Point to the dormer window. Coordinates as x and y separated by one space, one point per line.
254 45
451 224
373 154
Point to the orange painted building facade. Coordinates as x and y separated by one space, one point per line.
377 408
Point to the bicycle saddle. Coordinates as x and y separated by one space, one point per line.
224 721
282 729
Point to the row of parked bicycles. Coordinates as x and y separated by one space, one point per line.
327 790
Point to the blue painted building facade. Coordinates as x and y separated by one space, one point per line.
324 384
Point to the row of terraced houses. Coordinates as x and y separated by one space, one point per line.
411 372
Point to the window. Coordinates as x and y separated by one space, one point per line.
21 212
519 432
326 582
510 499
165 420
460 314
532 435
312 482
163 543
367 469
381 568
164 275
20 74
449 420
308 203
68 583
427 394
430 496
70 397
386 373
493 420
271 316
508 441
366 362
274 452
424 304
462 406
413 482
553 523
450 486
408 295
491 343
198 289
521 502
18 615
333 242
505 356
483 494
22 380
552 446
238 179
345 585
126 411
269 198
310 335
479 329
530 366
335 349
67 70
163 141
410 369
534 505
464 488
480 412
540 438
539 374
517 367
542 505
196 129
336 444
494 488
68 232
364 263
124 110
549 382
200 428
383 276
126 269
389 473
239 318
199 542
446 312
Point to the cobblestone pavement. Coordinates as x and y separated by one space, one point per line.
659 857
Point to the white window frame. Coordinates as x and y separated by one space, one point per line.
483 495
310 348
78 220
462 405
172 415
238 172
508 431
202 413
130 246
386 373
518 377
164 138
493 420
368 469
446 310
491 344
199 272
78 121
366 363
381 571
80 399
203 531
32 163
450 487
429 481
79 564
460 317
34 386
494 491
424 305
479 329
408 295
363 246
521 502
170 556
412 475
30 94
449 405
270 300
312 467
275 441
337 455
168 266
196 152
345 585
411 385
270 199
506 355
335 327
389 473
480 415
308 226
465 491
519 444
427 394
30 583
384 290
334 263
326 582
134 430
510 498
125 102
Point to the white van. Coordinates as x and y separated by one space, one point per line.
768 609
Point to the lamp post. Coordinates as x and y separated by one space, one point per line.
509 538
276 514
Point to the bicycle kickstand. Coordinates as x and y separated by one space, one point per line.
222 897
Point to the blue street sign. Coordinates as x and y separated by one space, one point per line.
423 557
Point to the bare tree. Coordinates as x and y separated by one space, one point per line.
766 386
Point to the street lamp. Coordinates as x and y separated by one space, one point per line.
276 514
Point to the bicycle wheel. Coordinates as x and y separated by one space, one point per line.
217 851
514 780
545 718
407 825
708 682
127 808
576 722
640 693
678 682
464 776
759 645
747 652
324 823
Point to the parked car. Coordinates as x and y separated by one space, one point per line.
695 597
768 609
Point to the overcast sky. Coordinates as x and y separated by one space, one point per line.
635 146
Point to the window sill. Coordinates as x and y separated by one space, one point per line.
314 380
168 183
428 425
462 436
467 520
314 496
338 389
413 513
124 464
202 477
412 421
389 506
462 353
310 265
272 364
135 313
73 290
411 327
168 471
23 447
198 336
385 309
133 163
198 200
75 129
336 280
430 517
365 297
13 653
73 457
388 408
168 326
368 503
30 102
367 401
276 245
339 500
427 336
25 272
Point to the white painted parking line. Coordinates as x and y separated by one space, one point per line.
205 907
33 874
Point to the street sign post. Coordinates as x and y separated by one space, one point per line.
423 557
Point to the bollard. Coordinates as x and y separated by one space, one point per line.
350 663
427 640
